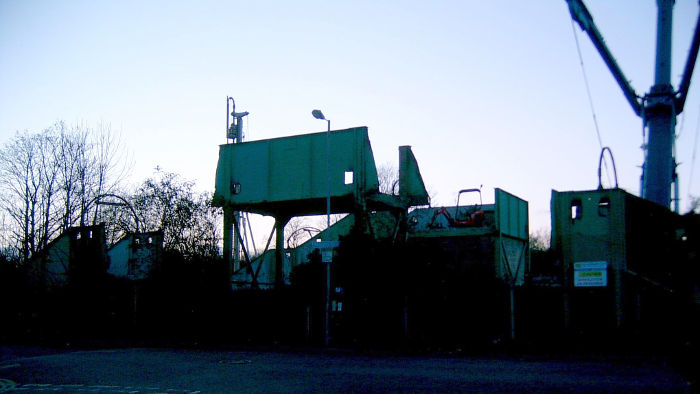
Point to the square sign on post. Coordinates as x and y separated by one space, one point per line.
326 248
591 274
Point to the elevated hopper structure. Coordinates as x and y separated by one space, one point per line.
293 176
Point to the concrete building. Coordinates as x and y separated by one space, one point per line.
503 230
627 262
136 255
77 252
82 251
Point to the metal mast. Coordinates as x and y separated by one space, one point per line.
232 219
660 116
658 108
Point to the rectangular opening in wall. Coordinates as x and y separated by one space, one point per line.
604 207
576 209
348 177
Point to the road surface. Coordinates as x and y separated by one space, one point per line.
139 370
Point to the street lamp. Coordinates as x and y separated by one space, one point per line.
319 115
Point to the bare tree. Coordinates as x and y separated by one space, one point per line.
118 217
67 158
91 163
299 230
388 176
48 174
110 164
48 180
27 180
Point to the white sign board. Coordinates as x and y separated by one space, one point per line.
591 274
326 248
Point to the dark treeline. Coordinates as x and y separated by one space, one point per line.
65 176
69 176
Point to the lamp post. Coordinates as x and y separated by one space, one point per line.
319 115
326 323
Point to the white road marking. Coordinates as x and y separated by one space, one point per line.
8 385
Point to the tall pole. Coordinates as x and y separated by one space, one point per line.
660 115
326 316
328 231
238 138
232 219
228 212
664 25
512 310
328 175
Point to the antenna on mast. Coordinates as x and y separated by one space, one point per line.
234 130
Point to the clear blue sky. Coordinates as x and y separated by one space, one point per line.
486 92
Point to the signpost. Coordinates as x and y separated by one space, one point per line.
326 248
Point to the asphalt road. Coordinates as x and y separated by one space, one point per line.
193 371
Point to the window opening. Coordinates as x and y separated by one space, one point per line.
235 188
348 177
604 207
576 209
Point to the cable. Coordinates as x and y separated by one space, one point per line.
692 161
590 99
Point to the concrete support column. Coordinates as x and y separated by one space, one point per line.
280 222
228 242
236 261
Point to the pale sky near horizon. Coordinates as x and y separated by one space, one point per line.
487 93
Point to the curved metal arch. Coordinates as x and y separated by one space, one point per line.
600 162
124 202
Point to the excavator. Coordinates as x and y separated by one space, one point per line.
465 216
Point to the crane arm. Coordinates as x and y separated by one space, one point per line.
689 66
580 14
